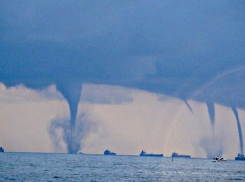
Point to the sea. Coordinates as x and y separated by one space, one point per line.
81 167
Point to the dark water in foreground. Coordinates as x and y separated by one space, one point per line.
68 167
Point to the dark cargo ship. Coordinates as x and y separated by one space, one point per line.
175 154
108 152
144 154
240 157
1 149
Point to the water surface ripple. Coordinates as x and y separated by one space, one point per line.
71 167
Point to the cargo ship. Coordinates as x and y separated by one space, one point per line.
144 154
108 152
1 149
240 157
175 154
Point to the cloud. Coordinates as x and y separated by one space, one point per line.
106 94
172 48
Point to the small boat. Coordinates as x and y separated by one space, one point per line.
218 159
240 157
175 154
108 152
144 154
1 149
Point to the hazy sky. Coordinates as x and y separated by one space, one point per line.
142 67
160 126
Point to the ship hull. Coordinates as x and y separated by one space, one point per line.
175 154
1 149
182 156
152 155
111 154
219 160
107 152
240 158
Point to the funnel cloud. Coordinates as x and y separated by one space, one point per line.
72 93
238 128
211 112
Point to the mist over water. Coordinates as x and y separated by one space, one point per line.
213 147
60 133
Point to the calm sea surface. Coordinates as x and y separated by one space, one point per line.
69 167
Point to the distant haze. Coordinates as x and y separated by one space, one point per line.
126 128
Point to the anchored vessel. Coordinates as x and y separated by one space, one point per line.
218 159
240 157
108 152
175 154
1 149
144 154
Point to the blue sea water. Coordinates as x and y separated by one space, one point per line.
75 167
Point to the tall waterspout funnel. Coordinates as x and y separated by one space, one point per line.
72 93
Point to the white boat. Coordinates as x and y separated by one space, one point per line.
218 159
